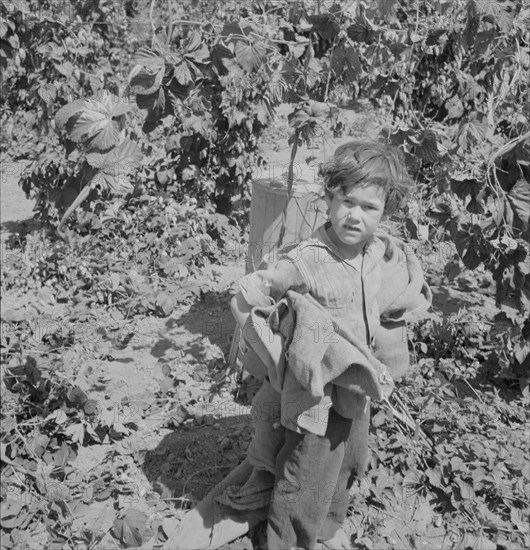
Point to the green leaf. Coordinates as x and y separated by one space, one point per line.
232 28
75 432
472 24
472 132
250 55
195 48
166 302
77 396
183 74
218 54
116 166
437 36
12 513
94 127
158 107
48 93
131 528
361 32
464 185
455 107
148 58
326 25
475 206
469 246
346 60
145 81
113 105
64 113
427 149
519 199
37 444
96 518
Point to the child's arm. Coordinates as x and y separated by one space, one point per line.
266 286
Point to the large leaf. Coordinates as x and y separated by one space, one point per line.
250 55
195 48
360 31
91 121
519 199
183 73
472 132
12 513
114 105
232 28
148 58
131 528
158 106
345 60
64 113
472 23
437 36
218 54
427 149
469 245
465 184
116 166
93 127
326 25
145 81
455 107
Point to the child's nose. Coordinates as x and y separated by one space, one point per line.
354 212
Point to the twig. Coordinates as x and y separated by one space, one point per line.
405 417
473 390
151 9
170 26
199 472
193 501
330 69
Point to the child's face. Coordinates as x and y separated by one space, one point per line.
355 216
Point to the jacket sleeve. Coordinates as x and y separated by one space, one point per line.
404 296
266 286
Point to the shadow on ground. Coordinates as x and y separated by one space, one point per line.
190 461
200 332
446 302
14 231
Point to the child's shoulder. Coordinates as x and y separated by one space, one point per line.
317 239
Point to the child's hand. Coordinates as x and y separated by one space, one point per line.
387 385
256 289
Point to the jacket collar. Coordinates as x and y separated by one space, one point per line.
373 251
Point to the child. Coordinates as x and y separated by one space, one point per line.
311 437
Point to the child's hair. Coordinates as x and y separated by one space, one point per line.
356 164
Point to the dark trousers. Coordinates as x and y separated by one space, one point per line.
313 477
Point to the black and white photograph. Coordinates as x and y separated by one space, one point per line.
265 274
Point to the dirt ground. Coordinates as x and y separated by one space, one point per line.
181 461
14 207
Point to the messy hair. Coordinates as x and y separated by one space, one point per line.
356 164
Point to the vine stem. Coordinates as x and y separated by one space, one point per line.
506 148
170 26
78 200
290 180
151 10
329 72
